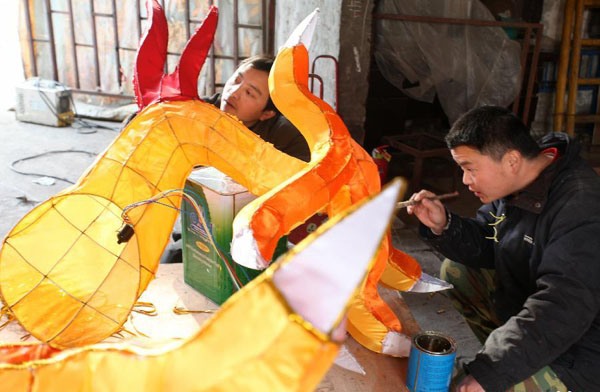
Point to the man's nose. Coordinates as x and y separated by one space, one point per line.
466 178
234 91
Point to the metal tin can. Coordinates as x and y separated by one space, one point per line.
430 362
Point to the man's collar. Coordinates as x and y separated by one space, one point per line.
533 198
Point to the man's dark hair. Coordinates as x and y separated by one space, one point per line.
493 131
262 62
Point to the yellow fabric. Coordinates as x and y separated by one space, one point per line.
42 265
274 350
255 342
76 284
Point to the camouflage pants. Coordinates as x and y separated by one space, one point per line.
471 296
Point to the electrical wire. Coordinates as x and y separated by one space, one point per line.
13 168
78 123
179 192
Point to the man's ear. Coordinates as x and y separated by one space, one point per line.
513 157
267 114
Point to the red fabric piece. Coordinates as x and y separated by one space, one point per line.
150 82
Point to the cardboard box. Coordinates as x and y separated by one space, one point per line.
220 199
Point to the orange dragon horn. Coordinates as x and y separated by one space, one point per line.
150 82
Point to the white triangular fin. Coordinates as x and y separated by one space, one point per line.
322 277
303 33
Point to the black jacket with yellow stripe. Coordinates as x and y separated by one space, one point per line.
544 244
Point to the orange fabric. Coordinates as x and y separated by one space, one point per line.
339 174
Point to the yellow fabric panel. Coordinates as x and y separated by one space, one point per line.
39 245
364 328
71 336
207 361
106 169
23 275
68 272
73 245
19 380
41 320
402 271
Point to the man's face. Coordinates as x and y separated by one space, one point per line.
488 179
246 94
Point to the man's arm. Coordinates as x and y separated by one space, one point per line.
463 240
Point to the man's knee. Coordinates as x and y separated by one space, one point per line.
451 271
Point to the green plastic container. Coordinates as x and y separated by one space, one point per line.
220 198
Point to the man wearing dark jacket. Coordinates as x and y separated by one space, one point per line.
246 96
526 269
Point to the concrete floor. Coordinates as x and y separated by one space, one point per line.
66 152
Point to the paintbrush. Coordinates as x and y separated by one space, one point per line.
445 196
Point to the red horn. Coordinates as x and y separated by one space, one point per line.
150 82
195 52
